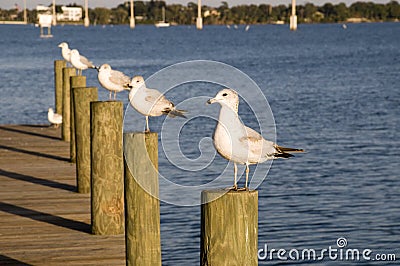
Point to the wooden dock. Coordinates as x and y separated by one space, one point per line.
43 221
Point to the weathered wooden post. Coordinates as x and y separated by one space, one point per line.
142 221
82 98
107 168
229 227
68 72
76 82
58 83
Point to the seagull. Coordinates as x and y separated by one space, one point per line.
150 102
238 143
54 119
80 62
65 51
113 80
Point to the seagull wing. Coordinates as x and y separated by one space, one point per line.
57 119
159 104
154 95
258 147
119 78
86 61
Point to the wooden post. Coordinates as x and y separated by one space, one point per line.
293 17
142 222
76 82
199 19
229 225
58 83
82 98
107 168
66 110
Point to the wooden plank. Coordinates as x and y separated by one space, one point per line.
42 220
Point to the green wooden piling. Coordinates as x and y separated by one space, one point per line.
68 72
82 98
76 82
142 222
107 169
229 228
58 84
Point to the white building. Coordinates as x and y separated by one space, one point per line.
70 14
42 9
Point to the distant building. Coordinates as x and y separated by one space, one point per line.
70 14
212 12
43 15
43 9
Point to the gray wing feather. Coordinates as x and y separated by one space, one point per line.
119 78
86 61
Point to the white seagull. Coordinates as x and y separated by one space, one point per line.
238 143
113 80
65 51
80 62
54 119
150 102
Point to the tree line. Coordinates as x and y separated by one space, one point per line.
149 12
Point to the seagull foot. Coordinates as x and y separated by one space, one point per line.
243 189
235 188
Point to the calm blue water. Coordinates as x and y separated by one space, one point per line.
333 92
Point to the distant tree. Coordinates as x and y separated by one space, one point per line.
119 16
359 10
341 12
100 15
393 9
280 12
329 12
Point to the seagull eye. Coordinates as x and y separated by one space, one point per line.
225 94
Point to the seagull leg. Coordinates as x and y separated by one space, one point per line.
147 124
115 94
235 173
247 175
109 96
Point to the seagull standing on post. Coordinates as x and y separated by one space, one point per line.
238 143
80 62
65 51
113 80
150 102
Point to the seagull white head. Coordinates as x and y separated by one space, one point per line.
63 45
136 82
105 67
226 97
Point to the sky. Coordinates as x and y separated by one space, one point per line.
31 4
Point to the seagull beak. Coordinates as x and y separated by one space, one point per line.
211 101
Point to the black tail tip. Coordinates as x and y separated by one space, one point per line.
284 155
